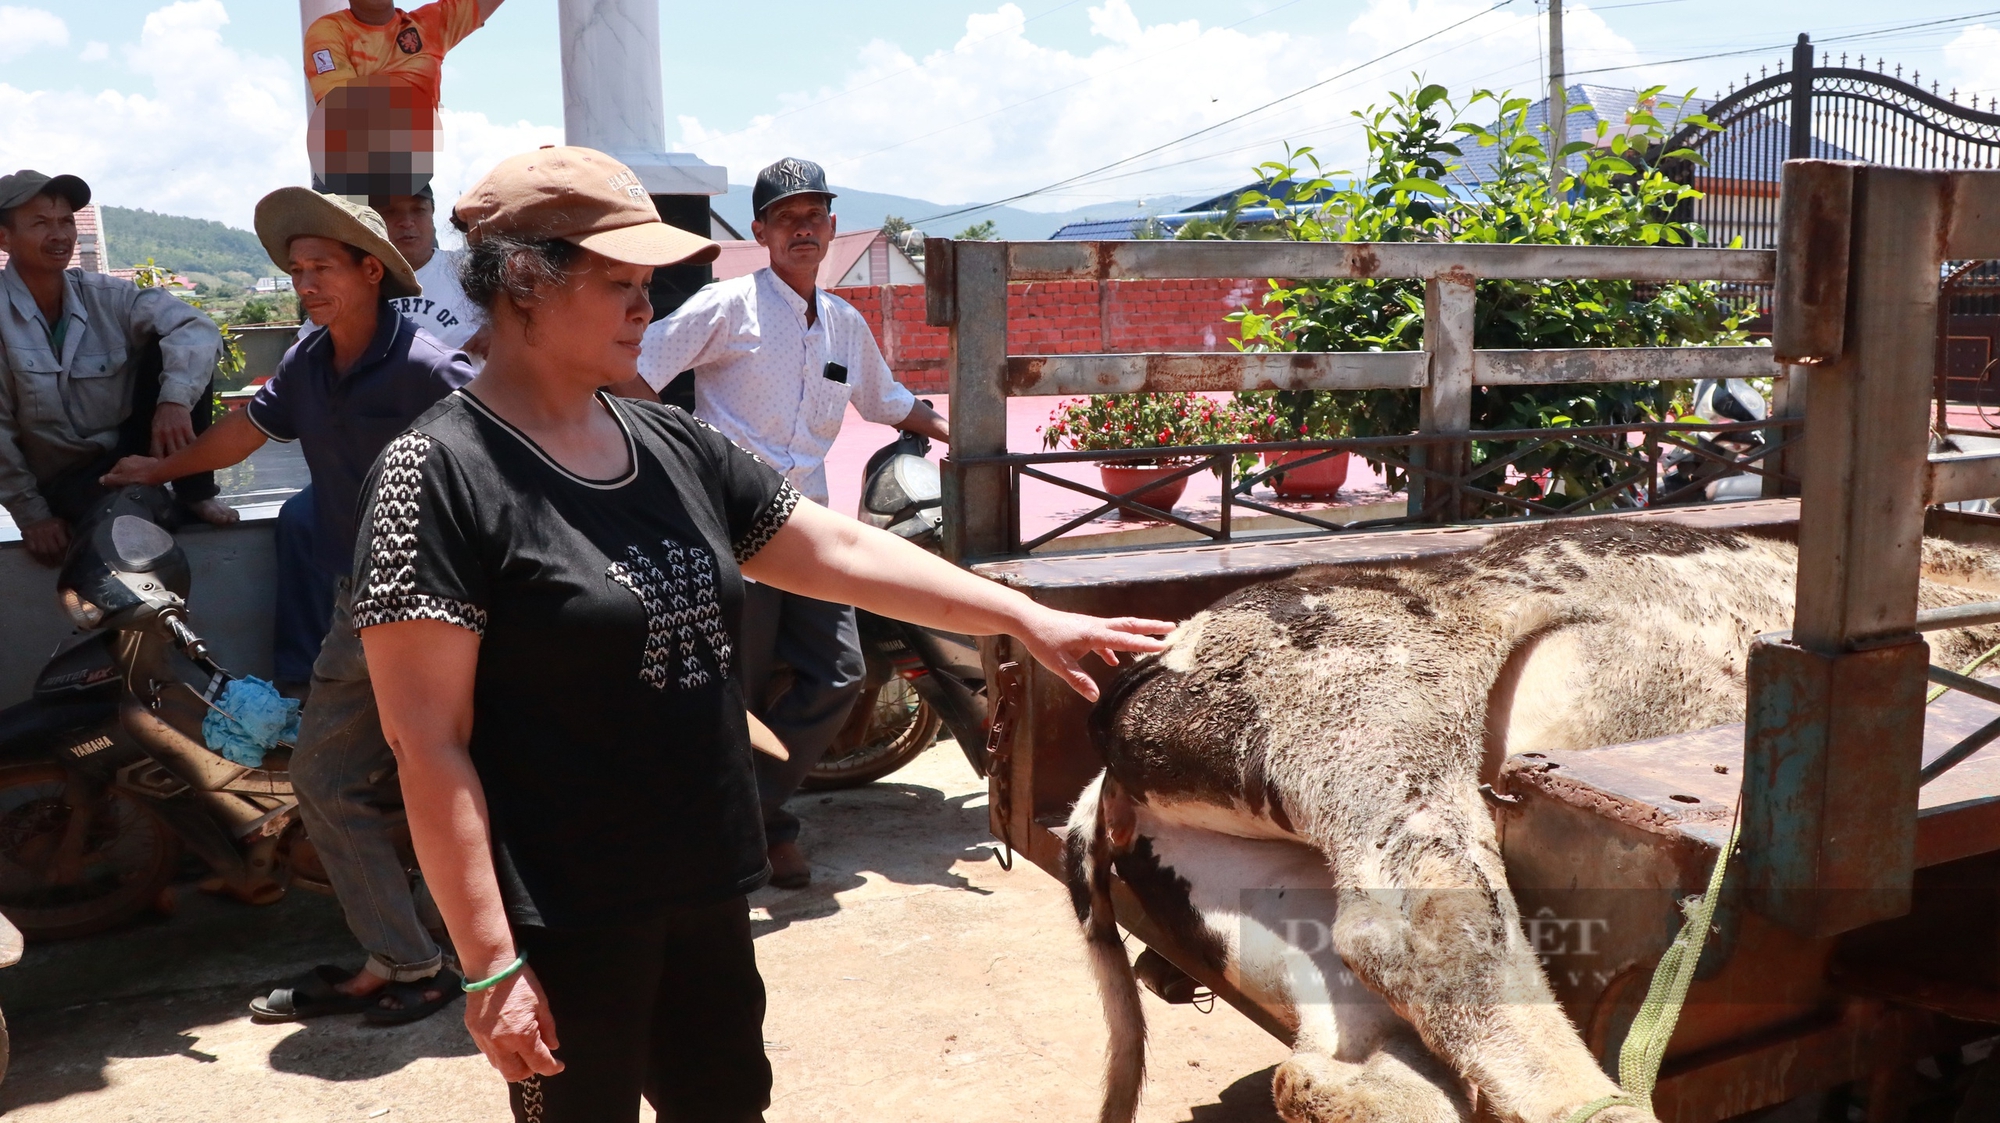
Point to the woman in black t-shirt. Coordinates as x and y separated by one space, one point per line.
547 581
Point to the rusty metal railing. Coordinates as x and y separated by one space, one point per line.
1639 448
967 286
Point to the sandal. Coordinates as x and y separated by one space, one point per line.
411 1005
311 995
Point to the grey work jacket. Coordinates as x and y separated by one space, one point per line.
58 412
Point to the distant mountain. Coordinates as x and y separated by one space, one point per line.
864 210
195 245
185 245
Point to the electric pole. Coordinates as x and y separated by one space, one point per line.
1558 103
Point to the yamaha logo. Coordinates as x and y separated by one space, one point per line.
94 745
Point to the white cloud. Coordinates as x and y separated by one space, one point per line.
1973 60
26 29
94 51
471 145
997 113
220 129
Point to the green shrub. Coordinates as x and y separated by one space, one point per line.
1413 191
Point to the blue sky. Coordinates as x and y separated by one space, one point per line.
195 106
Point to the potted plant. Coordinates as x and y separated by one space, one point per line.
1296 415
1165 421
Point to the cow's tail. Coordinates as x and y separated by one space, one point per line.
1087 854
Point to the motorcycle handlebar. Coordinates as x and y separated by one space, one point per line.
191 645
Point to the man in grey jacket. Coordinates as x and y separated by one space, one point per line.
91 368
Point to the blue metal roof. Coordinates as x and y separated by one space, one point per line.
1098 230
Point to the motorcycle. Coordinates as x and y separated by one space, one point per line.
1691 478
104 773
917 680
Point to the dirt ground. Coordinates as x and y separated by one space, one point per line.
916 980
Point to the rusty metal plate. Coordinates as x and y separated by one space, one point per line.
1833 744
1245 562
1168 260
1687 784
1622 364
1815 226
1167 371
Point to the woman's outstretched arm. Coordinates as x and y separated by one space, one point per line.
423 673
820 554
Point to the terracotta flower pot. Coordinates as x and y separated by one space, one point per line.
1318 479
1119 479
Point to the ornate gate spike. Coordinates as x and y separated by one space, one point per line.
1894 118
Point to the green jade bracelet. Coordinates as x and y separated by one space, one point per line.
506 972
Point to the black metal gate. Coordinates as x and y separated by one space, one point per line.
1829 110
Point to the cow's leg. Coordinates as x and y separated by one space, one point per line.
1400 1083
1426 920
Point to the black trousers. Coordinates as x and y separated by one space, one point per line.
671 1009
819 642
72 494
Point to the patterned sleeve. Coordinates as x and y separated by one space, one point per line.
756 500
417 555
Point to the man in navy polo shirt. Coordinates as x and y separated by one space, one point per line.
343 393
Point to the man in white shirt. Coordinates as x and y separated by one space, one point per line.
442 310
777 361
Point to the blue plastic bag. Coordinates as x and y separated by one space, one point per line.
249 718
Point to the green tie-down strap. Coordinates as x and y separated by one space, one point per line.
1646 1042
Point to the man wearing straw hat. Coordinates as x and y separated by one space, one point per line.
343 393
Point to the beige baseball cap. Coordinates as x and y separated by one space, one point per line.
581 196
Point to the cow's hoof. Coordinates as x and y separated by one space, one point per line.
1316 1088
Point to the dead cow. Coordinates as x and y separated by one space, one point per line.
1355 711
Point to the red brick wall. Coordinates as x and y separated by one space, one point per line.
1062 318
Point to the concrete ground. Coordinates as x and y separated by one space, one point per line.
915 980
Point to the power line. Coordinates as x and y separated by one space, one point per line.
1320 128
1307 132
1876 34
1057 90
1635 4
981 39
1219 124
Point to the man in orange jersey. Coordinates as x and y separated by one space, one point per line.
374 39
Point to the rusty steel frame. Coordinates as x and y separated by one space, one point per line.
1848 859
1221 460
966 286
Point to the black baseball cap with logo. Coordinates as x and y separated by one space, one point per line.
786 178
